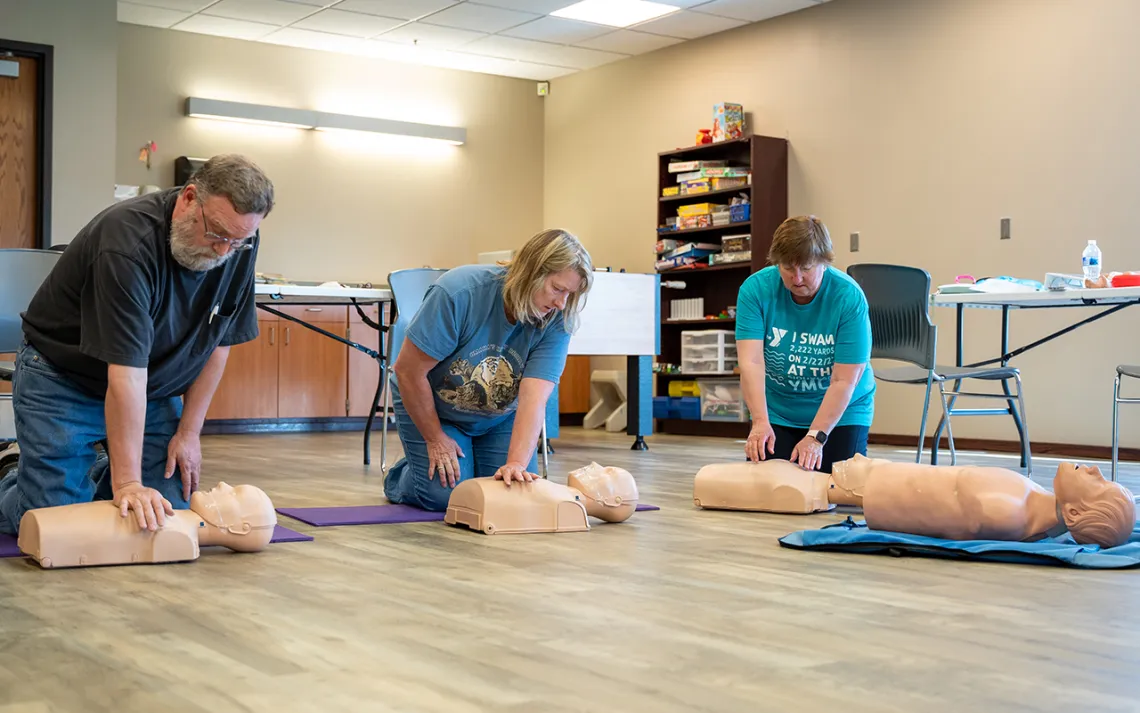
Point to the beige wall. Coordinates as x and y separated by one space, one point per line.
350 207
921 125
83 35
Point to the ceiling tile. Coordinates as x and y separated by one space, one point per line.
354 24
309 39
185 5
402 9
753 10
542 7
480 18
629 42
315 3
688 25
147 15
541 52
424 35
271 12
557 29
225 27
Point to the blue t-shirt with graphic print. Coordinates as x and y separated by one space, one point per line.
482 357
802 342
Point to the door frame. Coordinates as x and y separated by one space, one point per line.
43 53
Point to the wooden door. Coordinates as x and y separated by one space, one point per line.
574 386
19 173
248 388
363 371
312 375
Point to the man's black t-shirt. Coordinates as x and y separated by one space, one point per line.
118 296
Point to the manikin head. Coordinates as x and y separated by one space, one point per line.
1096 511
609 493
242 518
218 212
551 274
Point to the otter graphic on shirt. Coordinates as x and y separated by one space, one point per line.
491 385
800 361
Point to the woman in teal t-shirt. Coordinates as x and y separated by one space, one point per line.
803 338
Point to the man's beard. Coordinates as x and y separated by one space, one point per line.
190 256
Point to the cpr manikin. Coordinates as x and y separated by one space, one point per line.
950 502
492 506
90 534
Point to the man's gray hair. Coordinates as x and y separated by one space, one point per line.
238 179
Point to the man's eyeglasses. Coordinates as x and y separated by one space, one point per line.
234 243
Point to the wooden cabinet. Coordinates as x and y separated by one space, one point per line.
293 372
363 370
248 388
6 386
574 386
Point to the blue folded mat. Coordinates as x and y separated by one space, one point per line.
1062 551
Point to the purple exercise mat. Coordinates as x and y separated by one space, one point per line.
8 547
388 514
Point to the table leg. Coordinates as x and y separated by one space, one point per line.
959 335
1021 435
381 389
639 400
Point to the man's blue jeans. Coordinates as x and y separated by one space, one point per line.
57 427
407 480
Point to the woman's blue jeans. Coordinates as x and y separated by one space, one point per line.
57 427
407 480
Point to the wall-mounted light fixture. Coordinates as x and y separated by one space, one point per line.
305 119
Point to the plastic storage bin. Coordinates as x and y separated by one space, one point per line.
684 388
683 407
711 351
722 400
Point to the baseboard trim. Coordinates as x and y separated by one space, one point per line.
290 425
997 446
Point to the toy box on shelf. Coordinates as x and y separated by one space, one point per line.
722 400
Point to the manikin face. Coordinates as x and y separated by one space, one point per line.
556 290
1096 510
802 281
238 511
1079 483
205 233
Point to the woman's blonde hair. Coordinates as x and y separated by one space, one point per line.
544 254
802 241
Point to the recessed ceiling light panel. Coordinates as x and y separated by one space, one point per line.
615 13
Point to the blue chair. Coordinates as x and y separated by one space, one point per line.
898 300
408 290
22 271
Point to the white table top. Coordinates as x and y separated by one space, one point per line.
1040 298
309 293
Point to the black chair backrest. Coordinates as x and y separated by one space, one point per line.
898 299
22 272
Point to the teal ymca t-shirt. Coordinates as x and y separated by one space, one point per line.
482 357
802 342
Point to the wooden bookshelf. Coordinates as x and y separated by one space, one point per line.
767 158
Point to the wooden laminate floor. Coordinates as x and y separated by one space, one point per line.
678 610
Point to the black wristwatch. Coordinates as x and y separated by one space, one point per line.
819 436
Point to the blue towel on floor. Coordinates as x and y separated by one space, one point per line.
852 536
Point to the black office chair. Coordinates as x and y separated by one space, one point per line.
898 299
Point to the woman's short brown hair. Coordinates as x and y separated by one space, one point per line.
802 241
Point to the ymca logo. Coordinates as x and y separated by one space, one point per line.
777 335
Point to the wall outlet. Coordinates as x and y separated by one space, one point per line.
854 242
1005 228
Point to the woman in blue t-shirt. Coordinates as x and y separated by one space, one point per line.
477 366
803 339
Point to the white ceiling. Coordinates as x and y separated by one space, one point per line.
514 38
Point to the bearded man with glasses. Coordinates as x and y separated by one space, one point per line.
125 342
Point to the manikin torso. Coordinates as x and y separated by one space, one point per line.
775 486
491 506
95 533
952 502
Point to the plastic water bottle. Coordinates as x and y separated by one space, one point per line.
1090 260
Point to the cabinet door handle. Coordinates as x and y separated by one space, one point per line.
286 336
314 309
272 336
